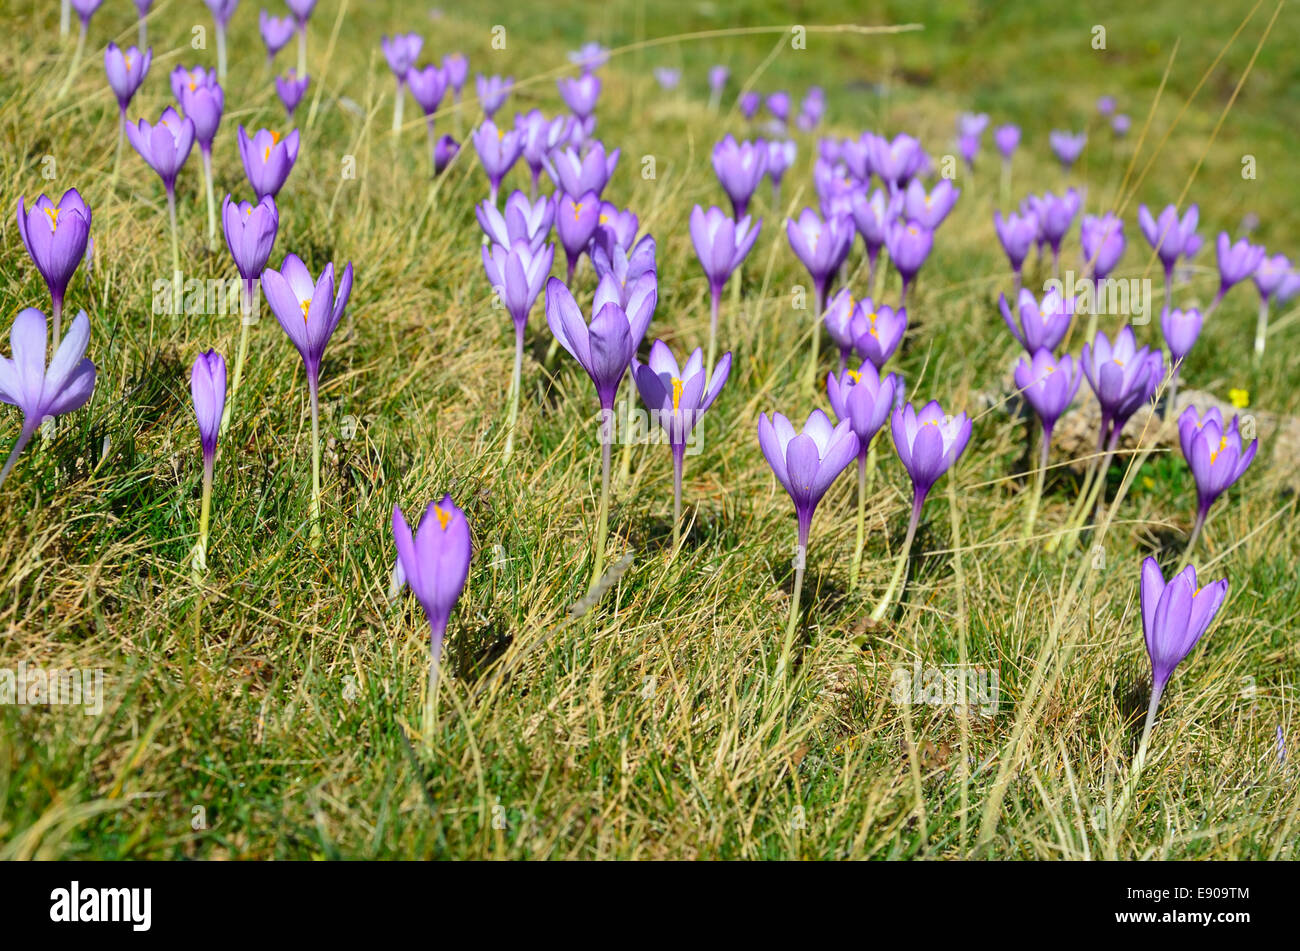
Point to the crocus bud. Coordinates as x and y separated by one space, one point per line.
208 387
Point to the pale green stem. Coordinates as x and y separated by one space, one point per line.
918 500
19 444
679 453
820 289
1261 330
313 389
1173 390
144 34
862 520
176 250
221 53
602 518
199 565
713 327
212 204
65 17
1140 760
117 156
1040 477
397 109
240 355
76 62
302 49
516 384
800 560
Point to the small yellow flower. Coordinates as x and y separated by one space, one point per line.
1148 482
1239 398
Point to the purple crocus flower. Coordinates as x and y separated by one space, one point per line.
538 138
1049 384
1236 263
164 146
291 88
492 92
309 310
1017 232
879 332
1122 376
276 33
43 392
203 102
872 216
142 8
1120 125
1270 274
401 51
1007 139
822 246
909 244
208 389
428 84
617 225
928 443
863 398
498 150
929 208
443 152
456 67
1041 326
126 70
605 346
1102 239
780 156
576 220
434 561
1170 236
577 174
250 231
968 147
896 161
842 318
667 78
624 268
521 220
589 57
268 159
55 235
749 103
1215 455
517 273
806 463
1055 216
739 167
1106 105
580 132
1175 616
721 245
972 123
677 398
1180 329
1068 146
778 104
718 77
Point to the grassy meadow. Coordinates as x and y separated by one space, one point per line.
292 723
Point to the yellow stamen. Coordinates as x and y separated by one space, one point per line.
306 306
1214 454
266 156
577 210
443 517
604 218
275 136
855 376
54 217
677 394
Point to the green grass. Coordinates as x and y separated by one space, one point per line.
296 726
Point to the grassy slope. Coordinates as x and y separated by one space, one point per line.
646 728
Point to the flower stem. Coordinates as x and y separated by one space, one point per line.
1039 478
76 62
221 53
1202 511
199 564
176 248
1140 760
65 17
918 499
58 321
19 444
602 518
800 560
313 390
862 520
212 204
240 355
143 34
302 49
121 135
714 292
820 290
1261 330
679 460
397 110
1173 390
516 383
